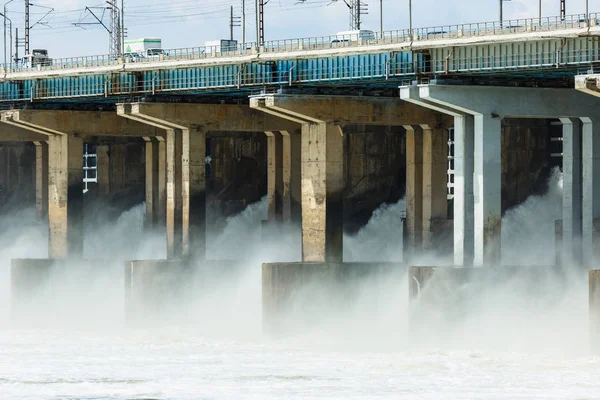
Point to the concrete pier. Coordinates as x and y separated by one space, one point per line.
162 289
323 176
186 127
572 190
65 132
594 309
488 106
299 296
435 176
414 188
65 205
41 179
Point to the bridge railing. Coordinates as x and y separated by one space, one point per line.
326 42
385 70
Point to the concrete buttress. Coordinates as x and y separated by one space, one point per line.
487 190
41 179
103 169
590 191
435 176
322 192
65 194
194 177
572 190
414 187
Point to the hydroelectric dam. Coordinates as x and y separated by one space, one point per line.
461 126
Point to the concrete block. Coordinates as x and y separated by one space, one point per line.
45 290
302 295
447 295
28 276
157 289
594 310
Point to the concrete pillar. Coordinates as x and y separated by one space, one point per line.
435 178
296 176
487 190
414 187
161 184
179 191
322 192
194 193
117 167
41 179
590 188
103 169
286 195
463 191
170 198
65 187
572 191
150 183
274 175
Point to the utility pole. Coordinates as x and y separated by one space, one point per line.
563 10
5 18
381 17
116 37
410 31
244 21
122 26
26 27
357 10
260 22
233 22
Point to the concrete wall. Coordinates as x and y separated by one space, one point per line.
526 160
302 295
237 175
375 171
17 173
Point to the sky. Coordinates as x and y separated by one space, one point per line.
190 23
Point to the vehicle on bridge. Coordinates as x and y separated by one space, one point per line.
37 57
353 36
138 49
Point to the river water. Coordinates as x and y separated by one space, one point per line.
512 345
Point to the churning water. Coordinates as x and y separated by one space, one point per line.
511 345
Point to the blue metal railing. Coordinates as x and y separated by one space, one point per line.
535 25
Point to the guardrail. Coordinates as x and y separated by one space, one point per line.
401 71
329 42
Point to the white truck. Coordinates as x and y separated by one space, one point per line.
353 36
218 46
144 48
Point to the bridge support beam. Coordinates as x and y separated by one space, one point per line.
323 156
414 189
184 166
65 206
572 191
488 106
103 169
435 176
463 208
41 179
591 190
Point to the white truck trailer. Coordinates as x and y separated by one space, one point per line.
146 47
218 46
